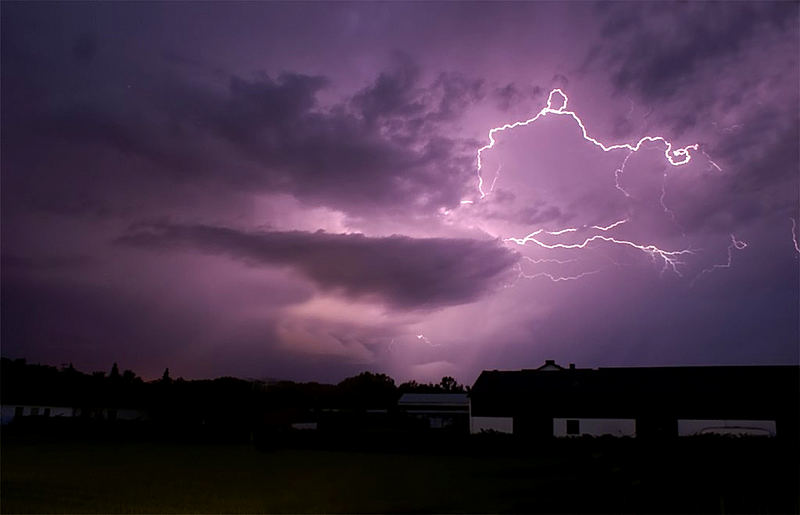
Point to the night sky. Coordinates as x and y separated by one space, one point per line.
275 190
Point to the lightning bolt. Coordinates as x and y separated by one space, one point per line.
424 339
618 175
548 260
710 161
667 211
661 201
609 227
420 337
576 229
735 245
496 176
669 257
675 156
794 235
552 277
555 278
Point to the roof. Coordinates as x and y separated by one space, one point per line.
550 365
705 391
433 399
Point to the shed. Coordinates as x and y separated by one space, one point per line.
449 411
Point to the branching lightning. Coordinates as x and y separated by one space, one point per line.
669 257
553 277
548 260
618 175
675 156
735 245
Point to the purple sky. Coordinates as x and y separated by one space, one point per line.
291 190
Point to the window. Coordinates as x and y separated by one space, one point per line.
34 411
19 411
47 412
573 427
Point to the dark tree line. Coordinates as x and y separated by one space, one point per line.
205 401
446 385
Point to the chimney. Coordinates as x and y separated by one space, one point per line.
549 362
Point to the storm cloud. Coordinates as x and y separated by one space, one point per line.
290 189
380 149
405 272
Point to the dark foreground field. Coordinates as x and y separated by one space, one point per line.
477 475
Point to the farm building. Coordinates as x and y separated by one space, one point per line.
13 411
437 410
647 402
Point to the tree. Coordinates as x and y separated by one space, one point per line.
165 378
409 387
114 375
368 390
449 384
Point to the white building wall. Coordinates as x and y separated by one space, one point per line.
688 427
499 424
7 411
597 426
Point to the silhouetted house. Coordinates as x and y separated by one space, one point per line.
448 411
550 365
643 401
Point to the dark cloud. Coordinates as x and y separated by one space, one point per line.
559 80
511 94
456 94
532 215
728 72
379 150
394 93
405 272
655 48
506 96
120 131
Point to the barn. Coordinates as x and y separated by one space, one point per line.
645 402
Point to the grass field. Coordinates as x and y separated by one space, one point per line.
82 477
